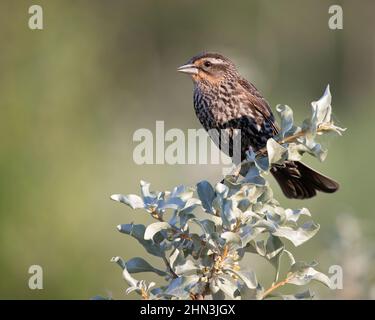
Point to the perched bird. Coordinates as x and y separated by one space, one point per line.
223 100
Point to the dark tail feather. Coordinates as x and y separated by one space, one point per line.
298 181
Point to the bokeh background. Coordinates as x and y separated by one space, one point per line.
72 95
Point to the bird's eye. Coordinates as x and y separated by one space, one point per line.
207 64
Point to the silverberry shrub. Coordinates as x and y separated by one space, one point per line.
203 233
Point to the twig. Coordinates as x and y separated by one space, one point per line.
263 151
289 139
275 286
174 275
217 258
156 216
144 294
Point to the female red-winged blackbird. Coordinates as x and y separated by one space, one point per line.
223 100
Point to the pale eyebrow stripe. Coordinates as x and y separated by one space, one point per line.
215 61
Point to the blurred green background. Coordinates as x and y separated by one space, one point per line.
72 95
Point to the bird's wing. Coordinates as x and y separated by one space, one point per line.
259 103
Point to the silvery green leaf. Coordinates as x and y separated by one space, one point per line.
150 285
131 289
290 256
248 277
332 127
296 151
214 288
243 204
190 205
206 194
271 249
232 182
217 221
266 195
145 189
149 198
156 292
176 199
321 116
180 287
275 261
293 215
185 217
218 294
174 203
137 231
322 109
320 152
315 149
247 234
174 218
298 235
186 267
232 239
286 117
251 247
247 193
129 279
154 228
276 152
305 295
262 163
207 226
254 192
140 286
137 264
228 287
132 200
270 226
177 190
251 155
275 214
157 206
176 258
228 213
181 192
198 246
274 247
198 288
274 250
251 294
303 273
221 190
253 176
119 261
181 264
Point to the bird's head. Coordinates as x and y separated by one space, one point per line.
209 68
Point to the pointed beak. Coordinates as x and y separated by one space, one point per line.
188 68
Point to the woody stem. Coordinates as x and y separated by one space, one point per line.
275 286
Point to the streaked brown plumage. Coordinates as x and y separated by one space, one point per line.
223 100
